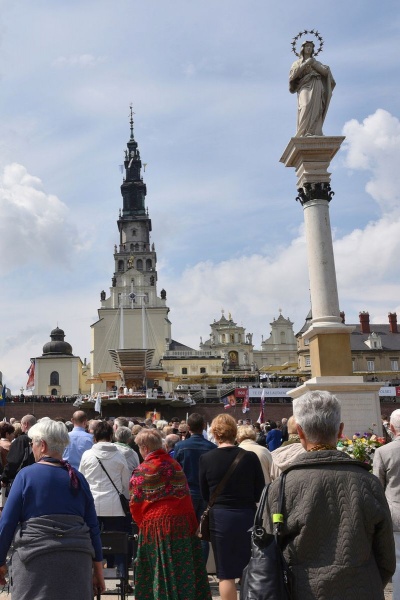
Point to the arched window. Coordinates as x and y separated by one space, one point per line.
283 337
133 232
121 265
132 247
139 264
54 378
137 247
232 337
54 392
149 264
223 338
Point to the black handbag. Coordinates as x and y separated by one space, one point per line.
124 501
203 530
267 576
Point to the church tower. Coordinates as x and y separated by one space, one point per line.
133 329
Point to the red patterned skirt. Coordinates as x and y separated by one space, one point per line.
170 565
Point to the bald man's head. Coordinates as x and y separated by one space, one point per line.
79 418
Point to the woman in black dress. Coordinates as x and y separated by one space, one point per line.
232 514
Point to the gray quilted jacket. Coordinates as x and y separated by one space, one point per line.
337 536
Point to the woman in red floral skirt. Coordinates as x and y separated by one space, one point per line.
169 559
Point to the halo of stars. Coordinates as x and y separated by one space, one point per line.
313 32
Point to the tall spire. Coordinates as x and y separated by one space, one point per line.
133 189
131 120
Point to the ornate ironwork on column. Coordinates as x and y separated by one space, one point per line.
314 191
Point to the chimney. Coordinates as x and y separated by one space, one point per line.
364 322
343 316
393 322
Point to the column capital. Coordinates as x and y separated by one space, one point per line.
314 191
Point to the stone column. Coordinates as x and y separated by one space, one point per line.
330 351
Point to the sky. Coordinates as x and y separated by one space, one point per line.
213 114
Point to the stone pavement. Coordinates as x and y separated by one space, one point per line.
213 587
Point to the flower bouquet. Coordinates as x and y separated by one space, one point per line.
362 446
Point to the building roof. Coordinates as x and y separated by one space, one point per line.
174 345
390 341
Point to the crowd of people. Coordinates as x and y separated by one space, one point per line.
63 484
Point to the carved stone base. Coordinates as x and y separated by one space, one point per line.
311 157
360 401
330 351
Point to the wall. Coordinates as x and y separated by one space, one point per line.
64 410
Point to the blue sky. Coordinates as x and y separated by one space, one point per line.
209 86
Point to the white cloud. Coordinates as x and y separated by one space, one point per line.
374 146
252 288
78 60
34 225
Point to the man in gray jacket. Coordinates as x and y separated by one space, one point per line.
387 468
337 533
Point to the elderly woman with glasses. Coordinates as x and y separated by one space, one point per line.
51 516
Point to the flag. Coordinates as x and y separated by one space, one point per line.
246 402
30 384
97 406
225 402
3 396
154 415
261 417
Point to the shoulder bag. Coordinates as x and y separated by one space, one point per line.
203 530
267 575
124 501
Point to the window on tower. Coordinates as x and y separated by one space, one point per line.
134 232
54 378
149 264
139 264
121 266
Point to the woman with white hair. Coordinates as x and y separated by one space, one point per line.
337 533
51 511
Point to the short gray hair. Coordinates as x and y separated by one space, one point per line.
395 419
171 440
245 432
28 420
54 433
318 414
123 435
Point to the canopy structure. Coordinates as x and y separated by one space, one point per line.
132 364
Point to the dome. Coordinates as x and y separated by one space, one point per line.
57 344
57 332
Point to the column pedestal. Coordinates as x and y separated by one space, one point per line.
360 401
